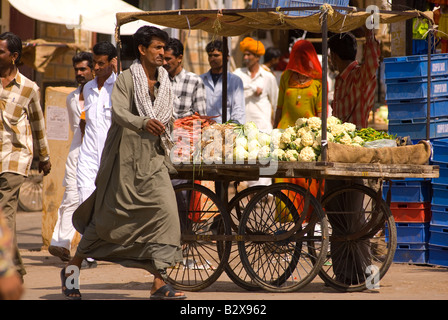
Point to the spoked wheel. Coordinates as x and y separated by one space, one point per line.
363 238
286 234
205 227
234 269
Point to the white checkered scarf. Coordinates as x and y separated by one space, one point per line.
162 109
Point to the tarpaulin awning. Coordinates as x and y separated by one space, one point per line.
39 53
91 15
235 22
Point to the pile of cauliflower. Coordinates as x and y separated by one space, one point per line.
302 142
299 143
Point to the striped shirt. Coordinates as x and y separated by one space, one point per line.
354 93
22 125
189 94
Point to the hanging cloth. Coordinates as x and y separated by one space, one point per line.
304 60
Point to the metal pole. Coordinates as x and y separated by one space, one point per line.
225 55
428 111
324 145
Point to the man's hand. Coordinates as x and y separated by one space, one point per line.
82 126
45 167
258 92
155 127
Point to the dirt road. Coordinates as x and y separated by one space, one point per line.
112 282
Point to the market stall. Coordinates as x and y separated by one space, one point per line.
278 237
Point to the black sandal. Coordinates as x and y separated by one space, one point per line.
70 294
166 293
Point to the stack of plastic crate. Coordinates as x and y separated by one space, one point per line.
297 3
411 208
438 239
407 95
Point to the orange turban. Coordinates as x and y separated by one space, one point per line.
254 46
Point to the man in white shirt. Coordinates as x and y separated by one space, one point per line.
260 86
97 95
64 231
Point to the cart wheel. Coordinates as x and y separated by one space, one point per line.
234 269
274 260
363 238
203 220
30 195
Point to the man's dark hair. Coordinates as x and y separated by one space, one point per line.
105 48
344 45
144 35
214 45
14 44
83 56
175 45
272 53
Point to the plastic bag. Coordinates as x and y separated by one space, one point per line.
381 143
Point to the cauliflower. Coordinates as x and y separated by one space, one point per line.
253 145
291 155
314 123
291 131
345 139
249 126
240 153
332 121
358 140
337 130
349 127
252 155
285 138
241 141
296 144
307 139
278 154
302 131
264 139
301 122
264 152
275 137
307 155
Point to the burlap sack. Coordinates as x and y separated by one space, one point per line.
414 154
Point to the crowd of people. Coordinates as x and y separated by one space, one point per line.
118 191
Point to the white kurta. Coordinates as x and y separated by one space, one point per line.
64 231
259 109
98 112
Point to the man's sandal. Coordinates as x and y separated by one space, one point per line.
70 294
166 293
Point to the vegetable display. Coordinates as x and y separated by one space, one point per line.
201 140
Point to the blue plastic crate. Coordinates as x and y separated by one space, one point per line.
412 232
264 4
438 235
408 191
443 172
439 194
438 255
440 150
296 3
416 128
439 215
403 89
415 66
411 253
417 108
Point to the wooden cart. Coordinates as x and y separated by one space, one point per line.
279 237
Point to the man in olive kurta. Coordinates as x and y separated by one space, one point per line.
132 217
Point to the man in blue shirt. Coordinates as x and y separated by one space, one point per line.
213 87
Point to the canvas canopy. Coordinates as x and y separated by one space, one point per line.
235 22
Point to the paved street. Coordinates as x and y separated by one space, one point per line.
112 282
